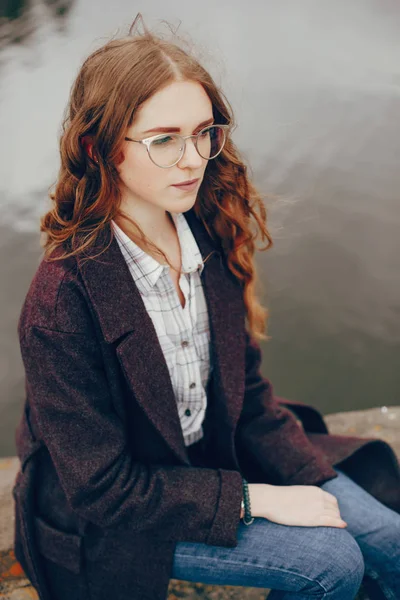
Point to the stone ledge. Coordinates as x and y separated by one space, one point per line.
382 422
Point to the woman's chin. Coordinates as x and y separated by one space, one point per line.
183 204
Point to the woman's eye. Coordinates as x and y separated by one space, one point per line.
163 140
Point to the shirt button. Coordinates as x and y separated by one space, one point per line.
185 343
188 412
192 385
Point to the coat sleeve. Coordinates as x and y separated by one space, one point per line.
269 434
69 396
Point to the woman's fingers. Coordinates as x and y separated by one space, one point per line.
329 499
332 521
332 512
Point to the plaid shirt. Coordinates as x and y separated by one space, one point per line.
183 333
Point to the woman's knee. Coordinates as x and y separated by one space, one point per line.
338 569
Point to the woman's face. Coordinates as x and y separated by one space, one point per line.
181 107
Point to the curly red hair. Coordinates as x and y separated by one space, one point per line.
111 84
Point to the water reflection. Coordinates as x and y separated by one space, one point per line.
20 19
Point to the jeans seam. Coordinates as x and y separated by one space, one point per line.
282 570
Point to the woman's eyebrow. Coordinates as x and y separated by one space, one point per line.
177 129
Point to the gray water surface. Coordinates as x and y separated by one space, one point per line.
316 90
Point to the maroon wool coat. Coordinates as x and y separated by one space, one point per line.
106 488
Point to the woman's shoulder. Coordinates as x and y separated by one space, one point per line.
56 298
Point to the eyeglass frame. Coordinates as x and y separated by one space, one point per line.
147 142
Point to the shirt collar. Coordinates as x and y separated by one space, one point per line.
191 255
147 269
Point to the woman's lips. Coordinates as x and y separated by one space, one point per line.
187 186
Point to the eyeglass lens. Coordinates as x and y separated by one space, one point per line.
168 149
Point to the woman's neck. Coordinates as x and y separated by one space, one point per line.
155 222
162 234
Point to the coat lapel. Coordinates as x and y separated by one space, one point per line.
226 311
125 322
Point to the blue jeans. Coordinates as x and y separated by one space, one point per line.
304 563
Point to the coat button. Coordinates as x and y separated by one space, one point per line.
188 412
185 343
192 385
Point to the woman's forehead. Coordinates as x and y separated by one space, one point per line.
181 104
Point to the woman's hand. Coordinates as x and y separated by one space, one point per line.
303 505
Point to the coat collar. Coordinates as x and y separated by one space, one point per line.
125 322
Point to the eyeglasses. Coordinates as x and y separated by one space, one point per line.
166 150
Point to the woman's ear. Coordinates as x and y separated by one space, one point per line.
87 144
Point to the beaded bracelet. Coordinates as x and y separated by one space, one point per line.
247 519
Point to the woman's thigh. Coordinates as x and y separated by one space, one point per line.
309 562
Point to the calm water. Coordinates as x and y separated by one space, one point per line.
316 89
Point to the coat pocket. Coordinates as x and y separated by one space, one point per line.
58 546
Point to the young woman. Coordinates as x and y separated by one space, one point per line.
151 446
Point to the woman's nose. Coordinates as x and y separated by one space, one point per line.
191 158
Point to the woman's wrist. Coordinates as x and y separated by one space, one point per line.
259 493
